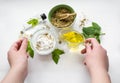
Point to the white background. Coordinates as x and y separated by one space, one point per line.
70 69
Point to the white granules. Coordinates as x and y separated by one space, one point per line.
44 42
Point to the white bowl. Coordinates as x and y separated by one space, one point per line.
46 45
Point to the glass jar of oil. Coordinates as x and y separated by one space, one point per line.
72 37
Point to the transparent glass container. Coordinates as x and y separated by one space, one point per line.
72 37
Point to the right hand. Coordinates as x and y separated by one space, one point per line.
96 56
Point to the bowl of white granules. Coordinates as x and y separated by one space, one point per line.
43 42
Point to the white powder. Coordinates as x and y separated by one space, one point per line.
44 42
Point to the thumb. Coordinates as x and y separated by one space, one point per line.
24 45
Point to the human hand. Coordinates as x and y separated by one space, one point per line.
96 56
18 57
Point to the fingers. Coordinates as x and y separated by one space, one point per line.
21 44
87 49
83 51
16 45
92 41
24 45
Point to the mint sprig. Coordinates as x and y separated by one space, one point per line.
93 31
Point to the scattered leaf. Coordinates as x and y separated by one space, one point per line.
30 50
33 22
56 55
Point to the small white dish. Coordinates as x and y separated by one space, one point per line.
43 42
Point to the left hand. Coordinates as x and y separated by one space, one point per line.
18 57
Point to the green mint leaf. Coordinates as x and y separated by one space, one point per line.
93 31
88 30
95 25
33 22
30 50
56 58
56 55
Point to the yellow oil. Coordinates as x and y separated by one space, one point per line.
73 38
